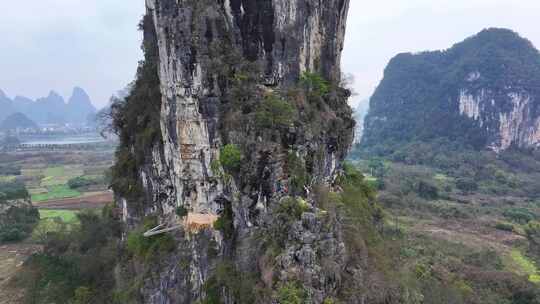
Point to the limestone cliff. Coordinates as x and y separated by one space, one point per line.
482 92
513 117
257 82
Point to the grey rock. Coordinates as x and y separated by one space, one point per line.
285 38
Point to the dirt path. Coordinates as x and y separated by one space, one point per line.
12 257
91 201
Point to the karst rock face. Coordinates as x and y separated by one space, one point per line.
207 50
510 116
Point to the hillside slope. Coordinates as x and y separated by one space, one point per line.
483 92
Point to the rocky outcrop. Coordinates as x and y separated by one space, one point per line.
359 116
79 106
511 117
482 92
260 77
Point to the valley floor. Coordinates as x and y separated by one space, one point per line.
60 183
477 235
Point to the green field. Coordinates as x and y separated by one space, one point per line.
524 266
7 178
34 191
60 175
67 216
53 221
55 192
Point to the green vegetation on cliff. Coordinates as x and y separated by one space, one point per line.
136 120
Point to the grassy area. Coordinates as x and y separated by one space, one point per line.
54 221
524 266
402 223
31 172
53 182
67 216
55 192
95 170
60 175
8 178
34 191
370 178
442 177
54 171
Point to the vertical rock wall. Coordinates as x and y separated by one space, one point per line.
201 43
509 118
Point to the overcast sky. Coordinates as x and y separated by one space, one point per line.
58 44
380 29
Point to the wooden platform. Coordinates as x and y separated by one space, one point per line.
193 222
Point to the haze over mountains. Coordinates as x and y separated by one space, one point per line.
52 109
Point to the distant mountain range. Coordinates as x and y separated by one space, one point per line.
51 109
17 121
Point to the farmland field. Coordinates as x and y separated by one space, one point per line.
66 216
53 180
61 182
55 192
47 175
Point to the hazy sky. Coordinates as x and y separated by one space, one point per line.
378 30
58 44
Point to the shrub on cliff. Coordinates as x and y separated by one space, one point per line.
147 248
136 120
230 157
242 286
298 174
225 222
291 293
181 211
274 112
362 213
314 84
